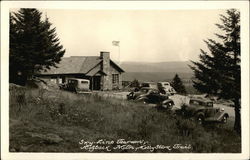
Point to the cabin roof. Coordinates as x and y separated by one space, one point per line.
78 65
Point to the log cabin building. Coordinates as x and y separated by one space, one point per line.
103 73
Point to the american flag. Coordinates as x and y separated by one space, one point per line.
115 43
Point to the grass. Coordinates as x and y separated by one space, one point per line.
91 118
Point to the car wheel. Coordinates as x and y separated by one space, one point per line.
75 90
224 119
200 120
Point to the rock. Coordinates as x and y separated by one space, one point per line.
47 138
12 150
25 148
53 138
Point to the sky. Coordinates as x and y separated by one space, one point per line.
144 35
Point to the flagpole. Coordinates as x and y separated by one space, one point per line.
119 54
117 44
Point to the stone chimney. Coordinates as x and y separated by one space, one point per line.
105 61
106 83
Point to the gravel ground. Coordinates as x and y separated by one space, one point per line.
178 100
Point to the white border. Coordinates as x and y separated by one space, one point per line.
124 5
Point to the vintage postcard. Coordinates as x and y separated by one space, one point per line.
124 80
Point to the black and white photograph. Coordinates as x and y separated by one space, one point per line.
149 79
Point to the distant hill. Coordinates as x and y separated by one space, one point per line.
181 66
155 76
160 71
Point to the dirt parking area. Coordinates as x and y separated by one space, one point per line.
179 100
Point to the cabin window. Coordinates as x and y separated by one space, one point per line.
59 80
53 79
115 78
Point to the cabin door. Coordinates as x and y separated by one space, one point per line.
96 82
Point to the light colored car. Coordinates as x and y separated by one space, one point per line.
76 85
149 85
166 88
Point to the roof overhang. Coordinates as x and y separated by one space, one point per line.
98 73
118 67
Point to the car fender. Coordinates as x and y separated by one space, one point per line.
223 115
168 101
199 114
227 115
141 99
131 95
198 111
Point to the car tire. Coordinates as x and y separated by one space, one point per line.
75 91
224 119
200 120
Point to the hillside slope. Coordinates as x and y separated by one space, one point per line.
59 121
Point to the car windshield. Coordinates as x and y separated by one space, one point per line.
201 103
84 82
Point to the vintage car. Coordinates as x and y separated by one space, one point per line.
166 88
153 97
137 92
147 95
203 111
76 85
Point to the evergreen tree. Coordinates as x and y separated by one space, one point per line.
135 83
218 73
178 85
34 45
